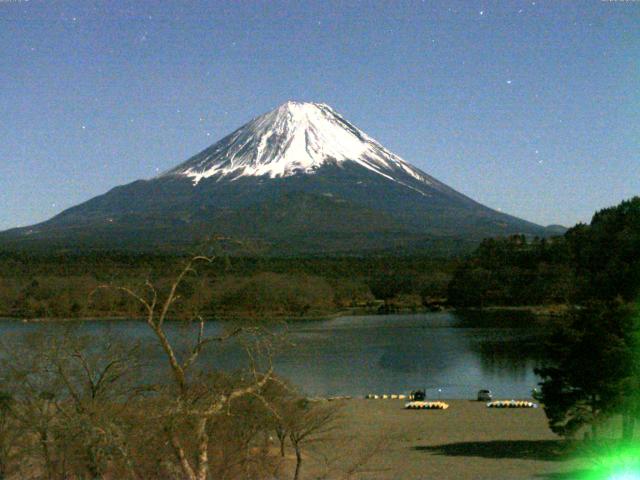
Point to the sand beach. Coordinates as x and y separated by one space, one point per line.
465 441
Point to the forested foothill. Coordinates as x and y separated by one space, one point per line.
60 285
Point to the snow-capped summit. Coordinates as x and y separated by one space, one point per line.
295 138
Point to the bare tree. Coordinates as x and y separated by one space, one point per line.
98 383
308 422
282 398
6 433
35 390
347 456
192 402
67 396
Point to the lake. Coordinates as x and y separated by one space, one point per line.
451 355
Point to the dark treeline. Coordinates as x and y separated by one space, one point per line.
514 271
591 368
591 373
60 285
596 261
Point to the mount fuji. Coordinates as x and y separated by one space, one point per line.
299 179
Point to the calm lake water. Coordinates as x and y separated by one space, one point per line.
456 354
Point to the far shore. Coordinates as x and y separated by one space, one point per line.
535 310
554 310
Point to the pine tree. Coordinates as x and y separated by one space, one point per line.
589 364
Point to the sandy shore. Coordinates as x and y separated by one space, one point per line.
467 441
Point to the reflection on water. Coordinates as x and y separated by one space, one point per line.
513 356
397 353
457 354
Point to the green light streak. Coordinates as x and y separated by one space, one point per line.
615 463
618 460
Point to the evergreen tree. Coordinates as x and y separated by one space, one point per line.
590 366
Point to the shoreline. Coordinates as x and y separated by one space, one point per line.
552 310
538 311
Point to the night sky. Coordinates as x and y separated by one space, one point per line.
529 107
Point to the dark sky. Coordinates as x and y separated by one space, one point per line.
529 107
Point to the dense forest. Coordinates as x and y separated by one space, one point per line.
596 261
591 371
61 285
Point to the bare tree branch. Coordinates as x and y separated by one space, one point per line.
193 402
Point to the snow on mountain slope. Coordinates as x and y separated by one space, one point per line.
297 138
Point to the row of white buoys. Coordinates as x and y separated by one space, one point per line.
372 396
511 404
423 405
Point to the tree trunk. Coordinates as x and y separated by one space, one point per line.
594 418
281 433
296 474
92 463
628 426
44 442
203 449
189 474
